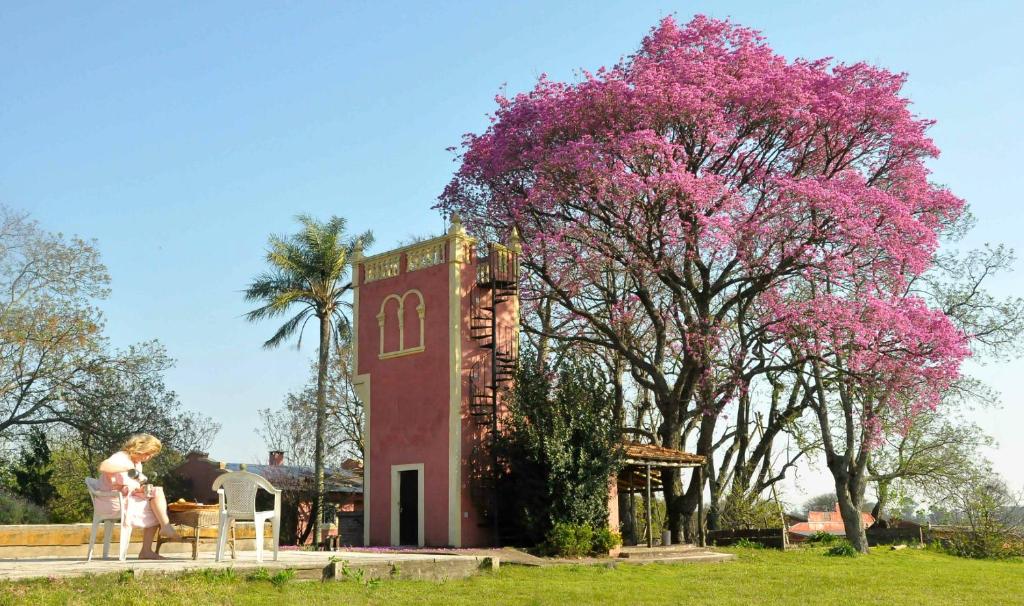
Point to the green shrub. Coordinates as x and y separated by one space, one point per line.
565 540
260 574
579 540
747 544
560 446
125 576
279 578
212 574
986 543
16 510
843 549
605 539
822 538
988 518
740 510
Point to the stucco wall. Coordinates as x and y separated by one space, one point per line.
409 398
410 394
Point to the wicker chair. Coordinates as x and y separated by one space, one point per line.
236 495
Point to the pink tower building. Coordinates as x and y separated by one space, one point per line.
436 333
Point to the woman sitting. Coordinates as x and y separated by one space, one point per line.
145 504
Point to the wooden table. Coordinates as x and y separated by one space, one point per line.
195 517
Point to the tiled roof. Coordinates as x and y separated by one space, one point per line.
827 521
301 477
644 453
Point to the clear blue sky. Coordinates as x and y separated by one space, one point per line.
181 137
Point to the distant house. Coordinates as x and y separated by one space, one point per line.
824 521
792 519
344 492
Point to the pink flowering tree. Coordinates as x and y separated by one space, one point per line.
875 364
714 179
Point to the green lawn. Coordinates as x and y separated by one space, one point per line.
757 577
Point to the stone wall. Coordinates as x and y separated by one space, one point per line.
72 540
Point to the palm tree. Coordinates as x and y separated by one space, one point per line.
308 275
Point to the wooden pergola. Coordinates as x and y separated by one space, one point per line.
642 469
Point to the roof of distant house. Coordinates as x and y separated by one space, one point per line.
301 477
347 478
827 521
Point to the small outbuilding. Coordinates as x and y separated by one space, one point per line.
343 486
641 473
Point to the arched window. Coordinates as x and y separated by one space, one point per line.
390 321
401 321
412 319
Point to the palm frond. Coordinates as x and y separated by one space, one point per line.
342 329
308 268
288 328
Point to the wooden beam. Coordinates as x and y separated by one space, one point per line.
640 463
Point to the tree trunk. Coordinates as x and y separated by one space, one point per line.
883 498
618 413
321 422
672 486
689 501
850 495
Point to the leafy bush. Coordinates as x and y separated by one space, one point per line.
560 447
989 517
842 550
748 544
569 540
605 539
260 574
740 510
579 540
822 538
16 510
70 468
988 543
279 578
33 469
212 574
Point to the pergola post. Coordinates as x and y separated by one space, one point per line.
632 509
700 506
650 520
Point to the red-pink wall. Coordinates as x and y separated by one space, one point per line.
409 398
613 504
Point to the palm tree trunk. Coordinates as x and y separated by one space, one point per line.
321 422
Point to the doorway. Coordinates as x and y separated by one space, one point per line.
407 504
408 497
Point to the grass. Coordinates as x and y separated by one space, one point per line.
769 577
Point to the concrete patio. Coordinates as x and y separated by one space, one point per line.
306 564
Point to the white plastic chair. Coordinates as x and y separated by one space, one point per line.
108 521
236 495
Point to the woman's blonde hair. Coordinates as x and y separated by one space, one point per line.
142 443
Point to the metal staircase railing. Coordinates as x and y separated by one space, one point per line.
496 283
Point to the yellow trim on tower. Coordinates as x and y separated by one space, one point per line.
457 242
361 385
